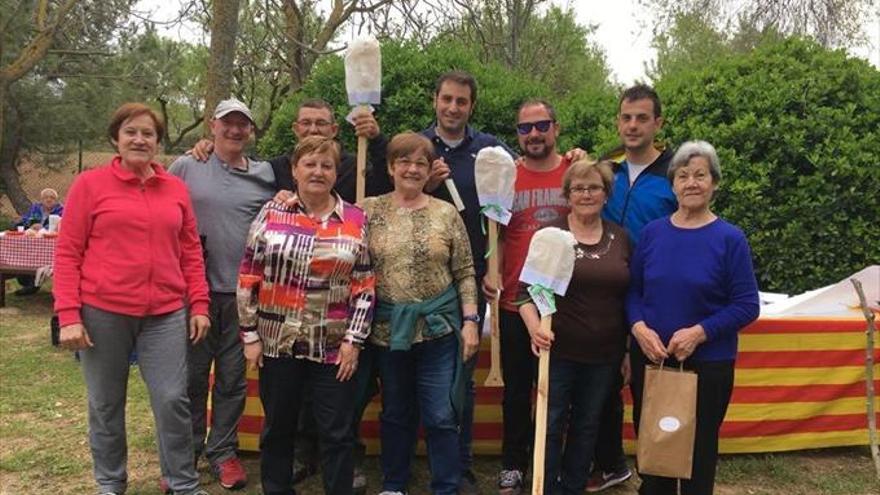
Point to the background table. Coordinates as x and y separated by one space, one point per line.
23 255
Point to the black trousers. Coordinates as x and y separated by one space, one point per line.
608 456
519 369
714 388
282 381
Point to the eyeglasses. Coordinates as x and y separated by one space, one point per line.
406 163
526 127
591 190
317 123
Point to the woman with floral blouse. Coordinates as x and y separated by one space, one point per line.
305 299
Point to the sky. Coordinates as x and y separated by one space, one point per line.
623 30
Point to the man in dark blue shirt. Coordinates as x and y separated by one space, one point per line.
457 144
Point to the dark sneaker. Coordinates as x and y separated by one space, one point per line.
601 480
510 482
27 291
468 484
231 474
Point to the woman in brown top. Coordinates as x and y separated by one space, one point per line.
589 329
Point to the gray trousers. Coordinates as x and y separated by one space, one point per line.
161 343
222 346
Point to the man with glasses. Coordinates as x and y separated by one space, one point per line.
314 117
640 193
538 201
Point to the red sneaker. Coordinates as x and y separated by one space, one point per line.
231 474
163 486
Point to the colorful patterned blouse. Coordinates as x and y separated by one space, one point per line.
306 285
417 254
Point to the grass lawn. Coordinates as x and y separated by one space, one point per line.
44 447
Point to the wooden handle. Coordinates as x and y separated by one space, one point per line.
494 378
361 178
541 413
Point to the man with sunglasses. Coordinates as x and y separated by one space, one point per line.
640 193
538 201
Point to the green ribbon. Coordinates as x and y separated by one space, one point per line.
498 211
539 291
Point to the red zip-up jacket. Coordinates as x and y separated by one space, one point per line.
128 247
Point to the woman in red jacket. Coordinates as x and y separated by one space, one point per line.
128 274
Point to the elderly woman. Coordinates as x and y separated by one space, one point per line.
589 328
128 271
38 215
426 319
305 298
36 218
692 289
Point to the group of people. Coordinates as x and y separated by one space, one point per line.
229 261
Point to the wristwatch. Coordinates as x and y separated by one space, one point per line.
474 318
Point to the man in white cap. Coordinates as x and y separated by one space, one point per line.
227 193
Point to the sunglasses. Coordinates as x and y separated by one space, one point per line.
526 127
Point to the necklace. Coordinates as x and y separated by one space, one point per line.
594 252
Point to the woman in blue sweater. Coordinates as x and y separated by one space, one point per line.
692 289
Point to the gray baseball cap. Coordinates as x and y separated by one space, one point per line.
226 107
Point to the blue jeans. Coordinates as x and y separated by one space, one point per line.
418 383
577 394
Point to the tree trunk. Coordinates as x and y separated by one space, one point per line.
224 30
11 144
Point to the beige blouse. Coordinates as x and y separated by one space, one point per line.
416 254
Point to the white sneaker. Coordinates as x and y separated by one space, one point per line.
510 482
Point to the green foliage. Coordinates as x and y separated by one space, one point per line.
587 117
408 76
797 129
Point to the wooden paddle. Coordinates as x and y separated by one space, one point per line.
541 412
494 378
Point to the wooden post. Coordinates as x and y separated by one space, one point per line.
869 375
541 412
361 177
494 378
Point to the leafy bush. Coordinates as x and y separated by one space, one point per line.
408 76
797 128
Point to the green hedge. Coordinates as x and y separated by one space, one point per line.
408 75
797 128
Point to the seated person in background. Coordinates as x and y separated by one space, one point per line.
37 217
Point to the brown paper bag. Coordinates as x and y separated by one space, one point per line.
668 424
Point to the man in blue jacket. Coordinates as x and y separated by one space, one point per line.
641 193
